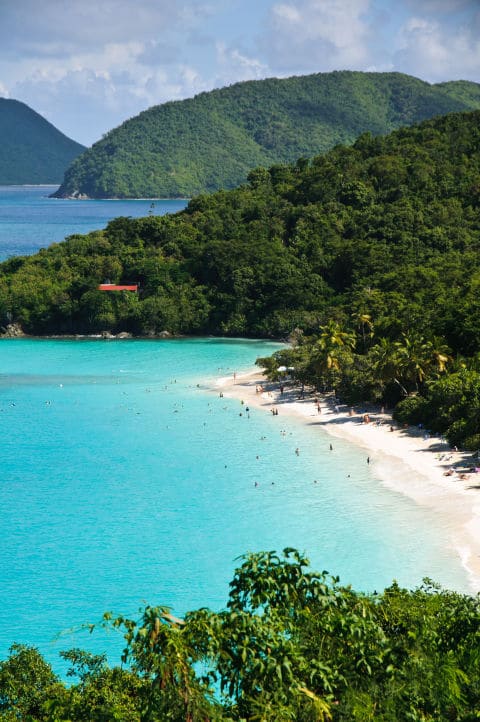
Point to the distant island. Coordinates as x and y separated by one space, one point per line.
212 141
32 151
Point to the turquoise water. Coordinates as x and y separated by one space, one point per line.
30 220
125 480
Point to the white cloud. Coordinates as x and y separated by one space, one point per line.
436 52
85 104
89 65
56 28
314 35
235 66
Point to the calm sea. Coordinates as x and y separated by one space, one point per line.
30 220
126 480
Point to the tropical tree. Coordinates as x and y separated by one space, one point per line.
363 321
330 351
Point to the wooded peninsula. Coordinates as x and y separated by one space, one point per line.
366 257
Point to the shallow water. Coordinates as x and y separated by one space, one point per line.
125 479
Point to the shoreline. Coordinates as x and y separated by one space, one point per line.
406 460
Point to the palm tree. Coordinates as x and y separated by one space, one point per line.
419 357
327 351
413 358
440 353
363 321
386 363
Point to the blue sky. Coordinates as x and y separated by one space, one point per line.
89 65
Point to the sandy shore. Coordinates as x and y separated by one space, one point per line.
407 460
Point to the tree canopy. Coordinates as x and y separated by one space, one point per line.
371 251
291 644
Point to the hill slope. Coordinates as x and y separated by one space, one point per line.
373 251
32 149
213 140
396 213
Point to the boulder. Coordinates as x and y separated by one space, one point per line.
13 330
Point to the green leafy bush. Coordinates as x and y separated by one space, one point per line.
410 410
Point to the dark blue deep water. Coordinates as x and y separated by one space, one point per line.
30 220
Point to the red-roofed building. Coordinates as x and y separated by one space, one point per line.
115 287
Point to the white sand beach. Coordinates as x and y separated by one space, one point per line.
407 460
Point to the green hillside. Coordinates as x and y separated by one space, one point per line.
32 149
212 141
372 251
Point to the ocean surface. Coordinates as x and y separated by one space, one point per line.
127 480
30 220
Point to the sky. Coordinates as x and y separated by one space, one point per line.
89 65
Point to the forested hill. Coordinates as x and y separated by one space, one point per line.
212 141
399 215
32 150
387 231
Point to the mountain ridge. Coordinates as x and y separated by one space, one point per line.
33 151
212 141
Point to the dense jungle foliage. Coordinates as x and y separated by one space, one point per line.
212 141
291 644
32 150
371 252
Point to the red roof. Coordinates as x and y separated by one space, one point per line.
114 287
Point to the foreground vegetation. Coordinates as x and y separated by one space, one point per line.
369 254
212 141
291 644
32 150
